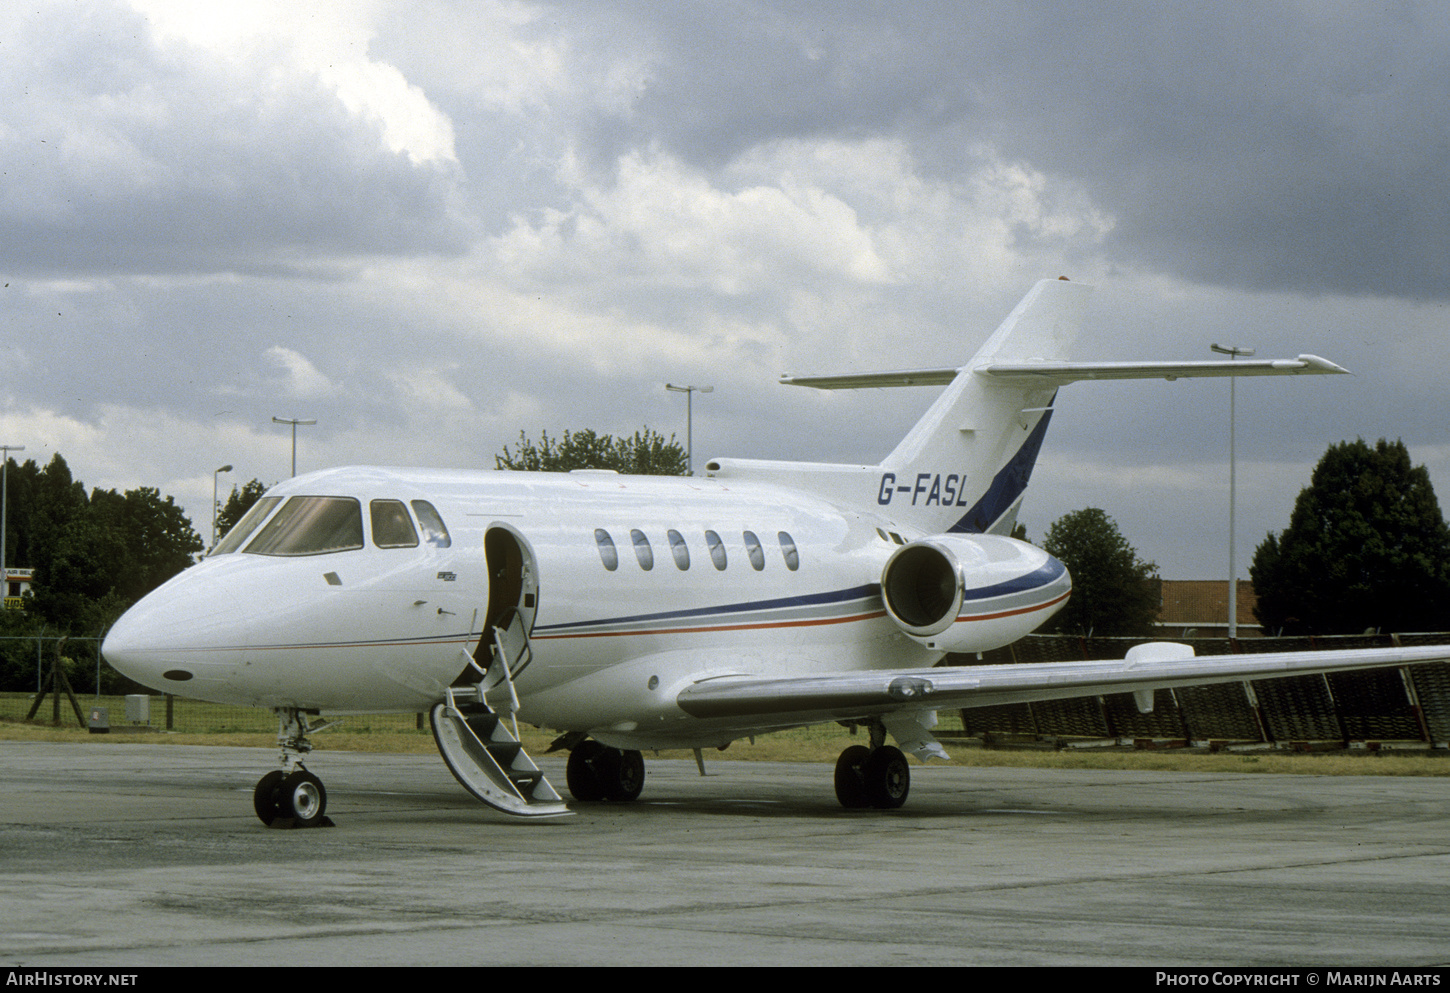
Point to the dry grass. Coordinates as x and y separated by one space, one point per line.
814 744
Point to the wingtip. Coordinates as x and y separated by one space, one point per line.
1313 363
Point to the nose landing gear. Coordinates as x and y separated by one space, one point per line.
292 797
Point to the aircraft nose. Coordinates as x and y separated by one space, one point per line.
175 634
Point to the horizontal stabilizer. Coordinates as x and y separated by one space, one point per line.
1059 373
1071 372
871 380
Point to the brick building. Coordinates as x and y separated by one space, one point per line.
1201 606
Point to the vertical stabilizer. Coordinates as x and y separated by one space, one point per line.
965 465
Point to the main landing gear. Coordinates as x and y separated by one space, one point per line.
598 772
873 777
292 797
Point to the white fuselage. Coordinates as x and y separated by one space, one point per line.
631 588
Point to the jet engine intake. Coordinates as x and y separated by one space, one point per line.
971 593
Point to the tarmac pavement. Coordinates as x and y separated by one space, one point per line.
127 854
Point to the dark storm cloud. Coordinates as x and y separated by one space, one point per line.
122 155
1262 146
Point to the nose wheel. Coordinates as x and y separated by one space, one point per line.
292 797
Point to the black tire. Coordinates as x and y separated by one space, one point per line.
850 779
625 776
582 774
302 798
887 778
266 796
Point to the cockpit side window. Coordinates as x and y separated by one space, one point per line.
243 529
392 527
435 532
311 525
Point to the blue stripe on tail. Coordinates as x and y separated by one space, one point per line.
1007 486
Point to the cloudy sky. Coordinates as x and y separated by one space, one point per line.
431 225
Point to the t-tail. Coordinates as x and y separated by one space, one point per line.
964 467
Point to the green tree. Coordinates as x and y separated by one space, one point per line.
1366 547
1113 591
648 453
237 504
93 555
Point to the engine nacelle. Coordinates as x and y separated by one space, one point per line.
972 593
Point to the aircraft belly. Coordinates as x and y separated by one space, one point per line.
633 693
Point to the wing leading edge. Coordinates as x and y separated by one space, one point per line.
872 694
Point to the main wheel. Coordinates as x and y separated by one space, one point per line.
625 776
887 778
582 774
598 772
850 782
266 796
302 798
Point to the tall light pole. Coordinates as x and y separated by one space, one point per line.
5 451
1232 352
294 422
689 392
215 507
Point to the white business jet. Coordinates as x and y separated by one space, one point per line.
630 612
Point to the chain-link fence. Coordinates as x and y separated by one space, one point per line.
87 692
1405 705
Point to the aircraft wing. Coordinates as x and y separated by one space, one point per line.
1148 667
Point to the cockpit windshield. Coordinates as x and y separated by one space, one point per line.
311 525
243 529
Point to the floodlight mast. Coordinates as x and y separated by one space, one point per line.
1232 352
294 422
689 392
215 507
5 451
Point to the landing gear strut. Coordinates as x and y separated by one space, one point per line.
598 772
873 777
291 796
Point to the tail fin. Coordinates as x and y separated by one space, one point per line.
966 463
964 467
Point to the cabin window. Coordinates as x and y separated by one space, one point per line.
435 532
679 550
311 525
243 529
753 549
717 549
788 549
642 550
608 554
392 527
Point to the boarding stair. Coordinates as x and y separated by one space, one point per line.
471 727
